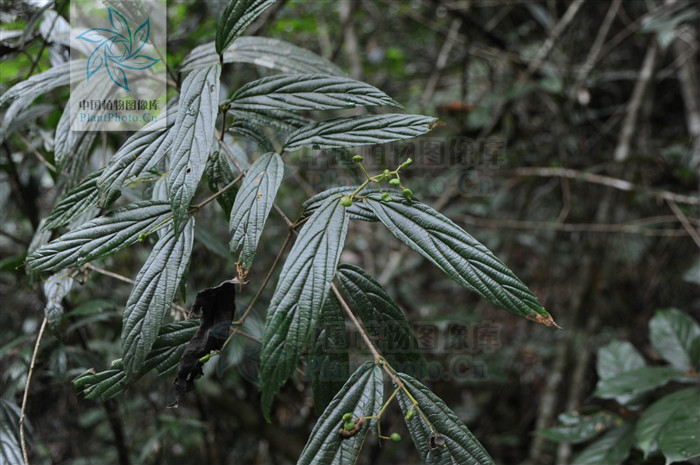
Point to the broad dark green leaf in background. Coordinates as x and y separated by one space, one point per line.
253 204
328 361
637 381
381 317
613 448
617 357
356 131
362 396
299 297
100 237
308 92
671 425
458 255
266 52
152 295
460 446
164 357
74 203
193 136
575 427
235 18
676 336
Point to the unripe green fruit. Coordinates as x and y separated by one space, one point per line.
407 194
142 237
347 416
386 197
394 182
345 201
357 159
395 437
387 174
409 414
407 163
349 425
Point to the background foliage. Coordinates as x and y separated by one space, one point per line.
587 189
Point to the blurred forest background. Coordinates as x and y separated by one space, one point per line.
571 148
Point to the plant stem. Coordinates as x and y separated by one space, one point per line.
26 392
218 193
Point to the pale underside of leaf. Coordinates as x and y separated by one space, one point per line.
253 204
193 136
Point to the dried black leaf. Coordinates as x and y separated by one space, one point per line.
217 306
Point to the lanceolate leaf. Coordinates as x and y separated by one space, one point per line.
328 362
100 237
299 297
282 120
152 295
357 211
381 317
76 201
268 53
459 255
193 135
308 92
10 449
141 152
253 204
22 94
613 447
251 131
676 336
362 396
359 130
220 172
164 356
672 425
236 18
450 442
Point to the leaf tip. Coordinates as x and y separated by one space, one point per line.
546 320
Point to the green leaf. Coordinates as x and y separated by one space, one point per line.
308 92
141 152
251 131
617 357
299 297
676 336
152 295
76 201
458 255
262 51
362 396
383 320
612 449
631 383
355 131
193 135
576 428
56 287
672 425
253 204
100 237
221 171
22 94
357 211
328 361
460 446
236 17
10 449
283 120
164 357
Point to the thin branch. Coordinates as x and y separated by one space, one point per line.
441 61
218 193
616 183
357 324
22 439
557 30
692 232
35 62
629 126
